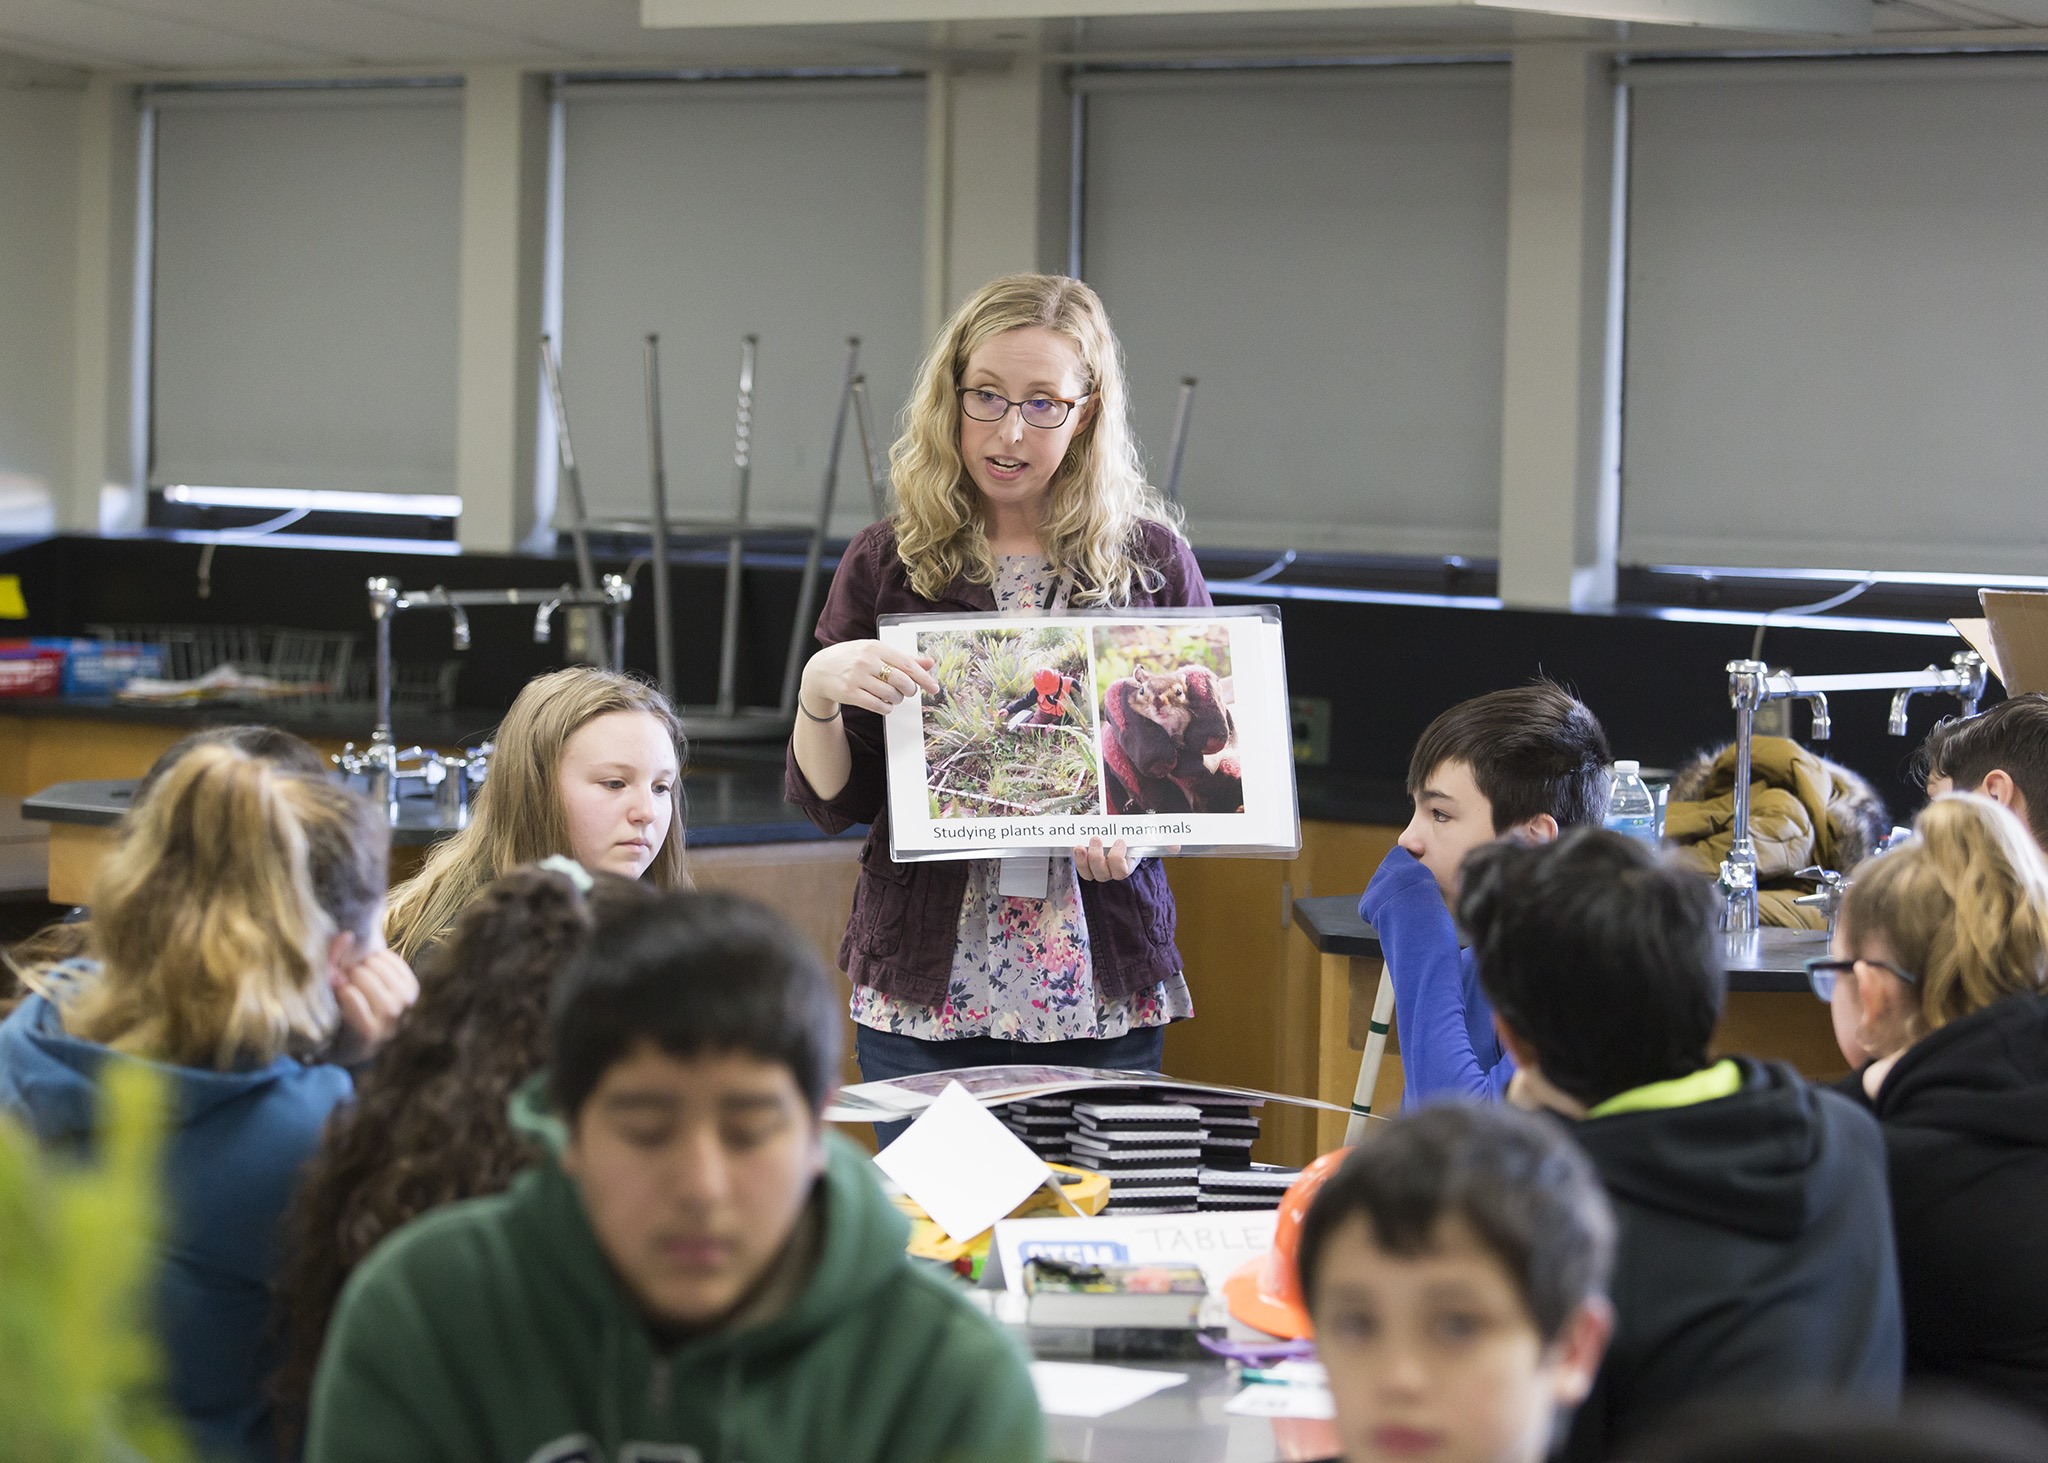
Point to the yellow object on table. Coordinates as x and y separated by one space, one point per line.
1086 1192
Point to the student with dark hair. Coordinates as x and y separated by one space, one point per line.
430 1123
1530 761
2002 753
1456 1269
698 1271
1756 1241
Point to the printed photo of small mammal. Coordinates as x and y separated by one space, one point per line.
1169 741
1012 732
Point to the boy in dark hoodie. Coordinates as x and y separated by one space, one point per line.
701 1271
1530 761
1755 1258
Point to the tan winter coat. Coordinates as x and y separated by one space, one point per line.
1803 810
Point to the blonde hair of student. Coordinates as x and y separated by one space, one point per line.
1963 906
519 818
214 917
1099 496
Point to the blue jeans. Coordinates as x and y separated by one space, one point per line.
884 1054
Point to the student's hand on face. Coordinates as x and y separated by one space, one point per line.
864 673
373 991
1093 861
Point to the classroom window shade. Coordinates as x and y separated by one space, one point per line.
1326 252
305 289
705 211
1838 316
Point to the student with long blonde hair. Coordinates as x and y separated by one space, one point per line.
1938 981
588 765
238 930
1018 487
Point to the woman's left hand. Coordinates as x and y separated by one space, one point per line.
373 993
1093 861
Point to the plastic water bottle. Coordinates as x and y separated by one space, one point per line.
1630 808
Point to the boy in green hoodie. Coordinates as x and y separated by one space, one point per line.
700 1274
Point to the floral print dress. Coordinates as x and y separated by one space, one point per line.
1021 970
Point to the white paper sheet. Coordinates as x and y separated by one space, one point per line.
962 1166
1083 1389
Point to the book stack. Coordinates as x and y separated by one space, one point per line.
1230 1126
1241 1188
1151 1153
1046 1124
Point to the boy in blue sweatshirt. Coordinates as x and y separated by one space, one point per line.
1527 762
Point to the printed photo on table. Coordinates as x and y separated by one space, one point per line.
1012 732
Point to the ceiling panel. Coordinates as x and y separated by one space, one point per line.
282 35
107 35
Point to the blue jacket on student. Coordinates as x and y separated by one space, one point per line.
237 1143
1445 1026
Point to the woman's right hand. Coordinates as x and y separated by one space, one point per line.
864 673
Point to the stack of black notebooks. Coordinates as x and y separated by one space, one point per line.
1150 1151
1243 1188
1230 1125
1046 1124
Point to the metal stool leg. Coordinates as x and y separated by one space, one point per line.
1369 1061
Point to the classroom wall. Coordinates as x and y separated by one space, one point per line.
39 140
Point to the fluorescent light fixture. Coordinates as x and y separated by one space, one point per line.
427 547
286 500
1941 579
1682 614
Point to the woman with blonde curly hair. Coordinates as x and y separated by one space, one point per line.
588 765
1018 487
1938 981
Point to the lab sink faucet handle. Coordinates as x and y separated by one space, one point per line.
1828 897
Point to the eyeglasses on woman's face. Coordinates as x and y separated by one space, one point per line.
1824 971
1043 412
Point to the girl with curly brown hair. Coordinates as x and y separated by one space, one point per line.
429 1123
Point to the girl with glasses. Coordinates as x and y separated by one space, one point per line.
1936 982
1018 487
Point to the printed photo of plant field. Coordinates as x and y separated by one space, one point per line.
1012 732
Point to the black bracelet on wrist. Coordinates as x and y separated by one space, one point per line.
827 720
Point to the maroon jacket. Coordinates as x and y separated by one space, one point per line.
906 917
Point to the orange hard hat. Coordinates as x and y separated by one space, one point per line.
1266 1293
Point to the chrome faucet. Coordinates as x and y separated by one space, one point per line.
1964 680
381 765
1751 683
1827 898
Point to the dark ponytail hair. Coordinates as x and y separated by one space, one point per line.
429 1124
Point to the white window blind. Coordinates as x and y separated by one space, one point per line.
1326 252
705 211
305 291
1838 316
